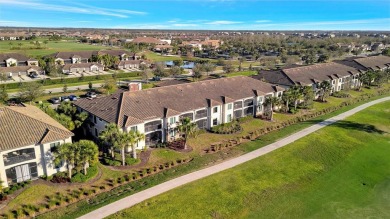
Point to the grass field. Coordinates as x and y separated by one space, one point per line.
50 47
341 171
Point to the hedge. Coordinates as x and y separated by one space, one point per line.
74 80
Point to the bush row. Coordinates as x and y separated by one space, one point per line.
75 80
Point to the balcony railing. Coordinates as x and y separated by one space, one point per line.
18 159
152 128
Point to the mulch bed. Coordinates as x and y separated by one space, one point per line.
144 157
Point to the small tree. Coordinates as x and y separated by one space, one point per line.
159 70
68 153
308 96
228 67
188 129
90 85
178 62
271 102
108 137
209 67
135 137
88 154
197 71
65 88
296 95
3 94
30 91
326 88
109 86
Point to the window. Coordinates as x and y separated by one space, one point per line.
230 106
96 132
215 109
133 128
201 114
260 108
202 124
187 115
248 102
229 118
238 114
152 126
53 146
248 111
237 104
172 120
172 132
215 121
22 173
260 99
94 119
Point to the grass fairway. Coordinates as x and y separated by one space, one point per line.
341 171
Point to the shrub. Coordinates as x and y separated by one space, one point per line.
339 94
227 128
131 161
80 177
60 177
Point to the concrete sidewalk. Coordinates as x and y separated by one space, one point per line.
174 183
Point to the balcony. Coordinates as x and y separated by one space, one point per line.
15 157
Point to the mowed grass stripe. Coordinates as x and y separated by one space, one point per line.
341 171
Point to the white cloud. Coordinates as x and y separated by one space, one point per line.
263 21
13 23
70 9
223 22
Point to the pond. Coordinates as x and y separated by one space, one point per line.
186 65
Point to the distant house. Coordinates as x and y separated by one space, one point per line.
149 40
82 67
374 62
377 47
16 59
28 138
21 70
130 64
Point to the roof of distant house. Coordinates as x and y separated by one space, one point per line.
319 72
81 65
17 56
149 40
374 62
153 103
273 77
25 125
15 69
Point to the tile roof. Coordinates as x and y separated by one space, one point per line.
157 102
374 62
17 56
150 40
273 77
306 75
116 52
81 65
27 125
69 55
17 69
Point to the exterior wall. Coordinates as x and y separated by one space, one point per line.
11 62
141 129
43 159
214 116
32 63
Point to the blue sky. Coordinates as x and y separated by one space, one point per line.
199 14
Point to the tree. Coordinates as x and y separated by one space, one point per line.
109 86
66 108
68 153
65 121
308 96
188 129
159 70
197 71
135 137
65 88
178 62
323 58
3 77
121 142
386 52
296 95
209 67
175 70
3 93
88 154
30 91
286 97
271 102
325 88
228 67
108 137
90 85
381 78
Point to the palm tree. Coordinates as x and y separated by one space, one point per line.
136 136
121 142
287 98
188 129
272 102
308 96
361 78
68 153
325 88
296 95
108 136
88 153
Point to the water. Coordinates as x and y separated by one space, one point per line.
186 65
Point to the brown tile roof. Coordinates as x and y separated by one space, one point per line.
17 56
150 40
126 62
171 82
273 77
116 52
155 102
374 62
319 72
28 125
69 55
81 65
17 69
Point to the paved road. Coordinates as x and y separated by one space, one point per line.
174 183
60 89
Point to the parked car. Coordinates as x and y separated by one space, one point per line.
72 97
91 94
55 100
65 98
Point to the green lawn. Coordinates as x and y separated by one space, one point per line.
341 171
51 47
242 73
156 57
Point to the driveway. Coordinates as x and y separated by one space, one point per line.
174 183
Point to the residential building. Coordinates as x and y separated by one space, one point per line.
16 59
21 70
82 67
28 137
131 64
157 111
374 62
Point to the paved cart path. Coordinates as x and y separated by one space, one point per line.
174 183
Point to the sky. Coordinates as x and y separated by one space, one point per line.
199 14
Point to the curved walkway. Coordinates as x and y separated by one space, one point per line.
174 183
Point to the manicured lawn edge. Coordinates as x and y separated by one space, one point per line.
82 207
